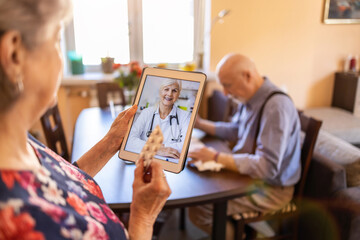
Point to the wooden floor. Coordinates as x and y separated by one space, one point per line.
171 231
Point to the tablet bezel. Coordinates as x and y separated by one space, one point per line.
167 73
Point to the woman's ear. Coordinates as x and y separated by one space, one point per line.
11 53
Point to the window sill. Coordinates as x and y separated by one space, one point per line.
90 78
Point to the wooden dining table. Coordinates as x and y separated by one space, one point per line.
189 187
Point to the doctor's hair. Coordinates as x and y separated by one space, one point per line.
33 20
170 81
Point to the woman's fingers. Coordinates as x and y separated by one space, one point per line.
123 118
130 112
168 152
157 171
122 113
147 175
172 152
139 170
171 155
175 154
154 173
158 176
127 114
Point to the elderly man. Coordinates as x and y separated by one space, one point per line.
266 130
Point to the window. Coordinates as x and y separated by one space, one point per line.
168 31
101 29
148 31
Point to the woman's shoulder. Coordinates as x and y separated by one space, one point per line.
60 171
35 141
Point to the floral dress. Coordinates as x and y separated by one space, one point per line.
56 201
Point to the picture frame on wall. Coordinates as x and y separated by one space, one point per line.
342 12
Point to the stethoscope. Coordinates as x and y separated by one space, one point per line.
178 139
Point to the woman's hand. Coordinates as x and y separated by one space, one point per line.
148 199
96 158
119 127
168 152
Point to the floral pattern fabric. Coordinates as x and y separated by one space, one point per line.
56 201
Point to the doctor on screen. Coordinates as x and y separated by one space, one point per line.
172 120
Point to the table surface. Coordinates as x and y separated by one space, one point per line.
189 187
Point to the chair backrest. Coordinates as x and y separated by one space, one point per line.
110 91
310 127
220 107
54 132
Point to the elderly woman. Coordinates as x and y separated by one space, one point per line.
172 120
41 195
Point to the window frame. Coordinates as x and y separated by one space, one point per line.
136 35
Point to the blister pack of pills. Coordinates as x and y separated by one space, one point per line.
151 146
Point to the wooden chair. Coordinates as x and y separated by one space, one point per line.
54 132
310 127
220 107
110 92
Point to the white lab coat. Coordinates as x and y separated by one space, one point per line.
137 137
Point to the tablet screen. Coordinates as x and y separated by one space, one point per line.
168 102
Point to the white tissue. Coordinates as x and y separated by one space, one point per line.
208 166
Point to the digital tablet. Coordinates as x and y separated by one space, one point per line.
170 99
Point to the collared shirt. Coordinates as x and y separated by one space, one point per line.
277 155
174 134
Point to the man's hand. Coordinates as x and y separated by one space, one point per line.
198 122
204 154
205 125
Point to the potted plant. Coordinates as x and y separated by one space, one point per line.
129 77
107 64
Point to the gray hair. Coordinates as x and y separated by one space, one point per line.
32 19
170 81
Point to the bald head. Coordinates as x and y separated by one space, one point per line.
239 76
235 63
